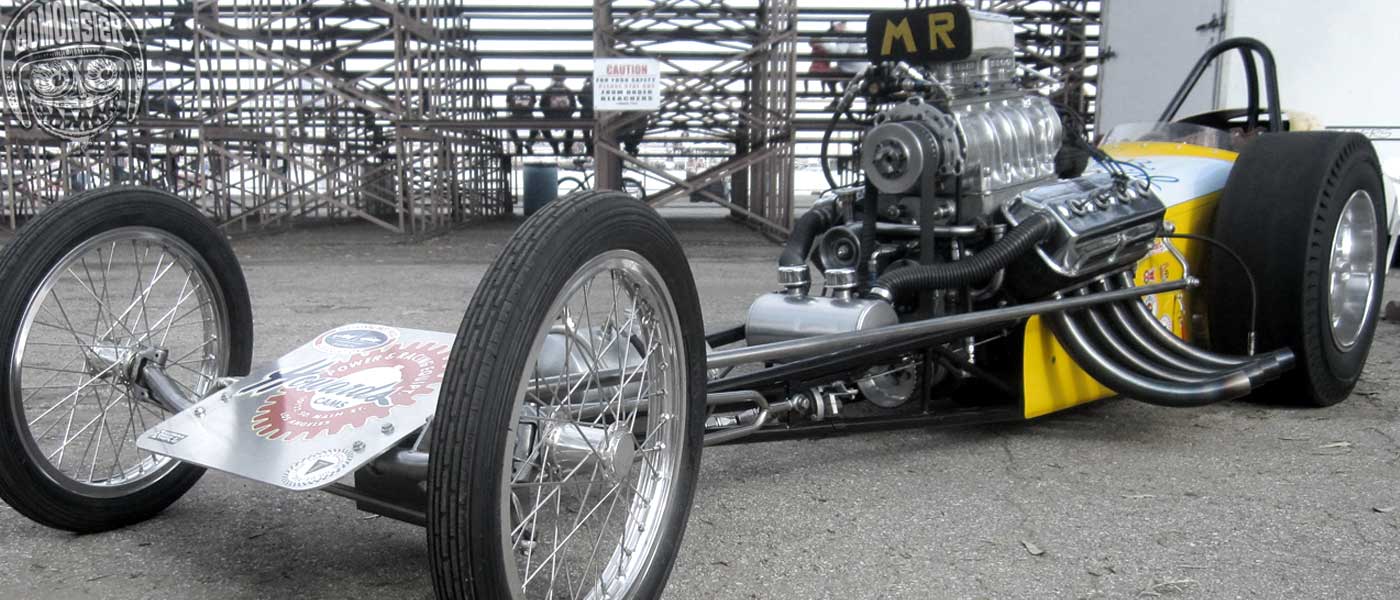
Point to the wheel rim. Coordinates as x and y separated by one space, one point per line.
1352 270
587 481
127 292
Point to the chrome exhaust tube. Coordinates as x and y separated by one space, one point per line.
1101 328
1145 330
1126 323
1143 316
1102 334
1121 330
1105 365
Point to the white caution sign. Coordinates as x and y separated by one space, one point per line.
626 84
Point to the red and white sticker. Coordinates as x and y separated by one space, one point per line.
1151 302
328 396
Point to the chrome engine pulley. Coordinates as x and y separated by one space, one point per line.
908 140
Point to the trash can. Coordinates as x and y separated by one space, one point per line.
541 185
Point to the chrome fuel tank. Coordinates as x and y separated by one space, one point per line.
776 317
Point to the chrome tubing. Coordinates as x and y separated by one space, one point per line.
765 412
1113 326
164 390
1149 324
1101 328
412 465
1127 325
1105 366
893 334
1264 367
1104 336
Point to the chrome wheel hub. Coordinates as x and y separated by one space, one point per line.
1352 270
107 359
573 446
119 362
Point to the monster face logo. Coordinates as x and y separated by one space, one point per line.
72 67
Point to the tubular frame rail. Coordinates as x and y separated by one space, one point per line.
1128 351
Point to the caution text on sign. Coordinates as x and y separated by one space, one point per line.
626 84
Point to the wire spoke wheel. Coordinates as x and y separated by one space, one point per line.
99 289
596 438
117 300
566 445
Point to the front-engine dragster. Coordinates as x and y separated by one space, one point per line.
987 263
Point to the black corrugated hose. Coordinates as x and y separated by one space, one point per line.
821 217
970 271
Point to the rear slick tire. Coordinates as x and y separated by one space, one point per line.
1306 213
590 305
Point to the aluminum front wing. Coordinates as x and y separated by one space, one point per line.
316 414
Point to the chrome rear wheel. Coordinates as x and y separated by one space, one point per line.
1352 276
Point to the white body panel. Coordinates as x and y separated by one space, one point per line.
1154 44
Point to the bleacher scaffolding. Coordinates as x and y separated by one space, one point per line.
266 113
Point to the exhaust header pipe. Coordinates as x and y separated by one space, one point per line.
1124 347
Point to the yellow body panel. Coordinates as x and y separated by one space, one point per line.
1129 150
1050 380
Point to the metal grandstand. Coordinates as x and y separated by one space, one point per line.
266 113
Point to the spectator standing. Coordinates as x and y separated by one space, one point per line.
520 98
849 56
558 102
821 66
585 111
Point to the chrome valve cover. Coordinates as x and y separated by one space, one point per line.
1102 223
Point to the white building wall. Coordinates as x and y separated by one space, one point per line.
1332 57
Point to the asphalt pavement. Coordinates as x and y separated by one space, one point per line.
1113 500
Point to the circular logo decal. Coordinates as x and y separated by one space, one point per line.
73 68
350 391
355 338
317 468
